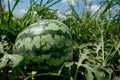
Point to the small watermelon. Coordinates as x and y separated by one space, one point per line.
48 40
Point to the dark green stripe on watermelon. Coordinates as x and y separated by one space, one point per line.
49 46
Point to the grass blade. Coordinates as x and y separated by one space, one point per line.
41 1
16 3
53 3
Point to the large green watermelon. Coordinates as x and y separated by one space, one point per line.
48 40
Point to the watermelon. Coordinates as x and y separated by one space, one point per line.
49 41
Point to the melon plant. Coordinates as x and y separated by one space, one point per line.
48 41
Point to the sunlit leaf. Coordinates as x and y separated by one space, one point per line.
13 60
3 61
89 75
68 64
1 48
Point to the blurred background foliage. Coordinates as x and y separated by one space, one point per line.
96 38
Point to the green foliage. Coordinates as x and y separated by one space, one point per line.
7 59
95 36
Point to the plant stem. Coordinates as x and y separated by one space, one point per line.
76 72
103 53
9 15
79 64
22 73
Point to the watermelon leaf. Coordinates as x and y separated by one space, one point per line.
13 59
